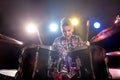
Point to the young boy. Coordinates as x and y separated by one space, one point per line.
64 67
68 41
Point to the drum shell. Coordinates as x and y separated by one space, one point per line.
27 65
93 58
85 59
99 64
83 54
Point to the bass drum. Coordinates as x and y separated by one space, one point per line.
33 63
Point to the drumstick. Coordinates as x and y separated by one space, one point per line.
87 28
39 38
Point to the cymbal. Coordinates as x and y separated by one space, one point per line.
106 33
9 40
8 72
114 53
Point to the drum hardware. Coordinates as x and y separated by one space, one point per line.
107 69
36 62
79 64
91 64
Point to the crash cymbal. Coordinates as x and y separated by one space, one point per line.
106 33
114 53
9 40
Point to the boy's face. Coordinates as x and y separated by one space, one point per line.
67 31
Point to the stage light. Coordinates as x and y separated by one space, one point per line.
31 28
53 27
96 25
74 21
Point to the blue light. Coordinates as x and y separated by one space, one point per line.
96 25
53 27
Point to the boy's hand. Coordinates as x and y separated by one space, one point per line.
87 43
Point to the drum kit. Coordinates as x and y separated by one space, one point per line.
35 65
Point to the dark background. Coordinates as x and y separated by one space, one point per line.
15 13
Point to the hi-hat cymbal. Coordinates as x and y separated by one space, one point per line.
9 40
106 33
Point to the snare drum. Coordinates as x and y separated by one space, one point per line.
34 63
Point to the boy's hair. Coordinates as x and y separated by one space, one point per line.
65 22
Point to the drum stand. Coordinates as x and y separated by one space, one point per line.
91 64
78 62
36 62
36 56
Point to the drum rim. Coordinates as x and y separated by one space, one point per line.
79 48
51 48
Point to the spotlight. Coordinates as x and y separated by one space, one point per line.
53 27
96 25
31 28
74 21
